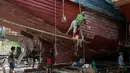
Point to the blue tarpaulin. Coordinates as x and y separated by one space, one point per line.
103 6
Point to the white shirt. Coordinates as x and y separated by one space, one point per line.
120 59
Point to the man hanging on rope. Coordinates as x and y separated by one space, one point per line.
77 22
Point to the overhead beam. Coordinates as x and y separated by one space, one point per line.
15 38
41 35
16 29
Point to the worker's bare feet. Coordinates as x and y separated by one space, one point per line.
73 38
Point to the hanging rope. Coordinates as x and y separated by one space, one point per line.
56 53
2 34
41 48
63 9
79 6
126 32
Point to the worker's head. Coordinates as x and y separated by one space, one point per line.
120 53
83 13
34 47
13 48
18 47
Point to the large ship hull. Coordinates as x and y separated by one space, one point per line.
102 32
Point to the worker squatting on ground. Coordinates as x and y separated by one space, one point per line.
79 63
77 22
49 62
120 62
11 59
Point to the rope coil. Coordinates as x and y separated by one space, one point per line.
80 6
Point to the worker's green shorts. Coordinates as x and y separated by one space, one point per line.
49 65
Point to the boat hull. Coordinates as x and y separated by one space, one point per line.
101 31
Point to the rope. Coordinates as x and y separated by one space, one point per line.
63 9
45 32
2 34
79 6
56 53
63 19
126 31
40 51
40 47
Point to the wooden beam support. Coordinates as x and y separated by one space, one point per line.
14 28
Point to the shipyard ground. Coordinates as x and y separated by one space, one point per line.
102 67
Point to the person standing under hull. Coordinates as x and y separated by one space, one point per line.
120 62
11 60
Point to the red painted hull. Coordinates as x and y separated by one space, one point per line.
45 9
103 33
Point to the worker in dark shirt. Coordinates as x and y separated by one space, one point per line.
11 59
34 55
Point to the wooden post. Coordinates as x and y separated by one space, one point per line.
129 55
84 52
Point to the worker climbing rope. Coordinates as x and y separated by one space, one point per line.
77 22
